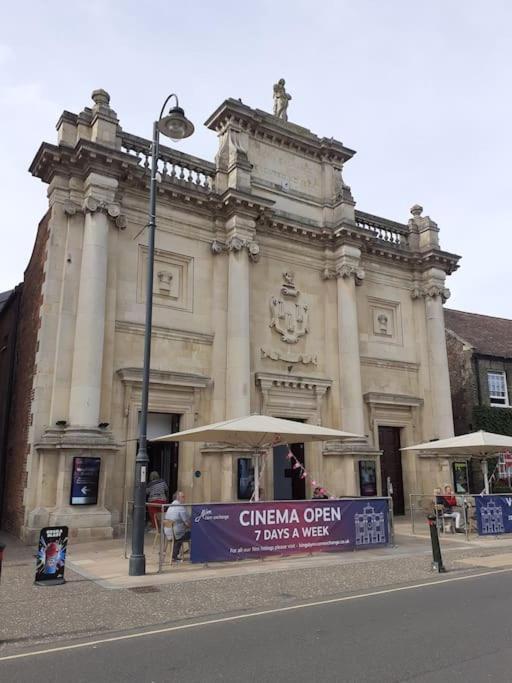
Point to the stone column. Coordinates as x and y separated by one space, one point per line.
349 274
238 358
435 294
238 346
241 248
85 395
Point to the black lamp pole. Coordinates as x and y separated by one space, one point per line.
176 126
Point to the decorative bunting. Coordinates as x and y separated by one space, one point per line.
297 465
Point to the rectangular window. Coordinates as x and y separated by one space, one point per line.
498 394
245 478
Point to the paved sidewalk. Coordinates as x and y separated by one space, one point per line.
32 615
105 562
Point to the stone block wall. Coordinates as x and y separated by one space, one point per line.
18 445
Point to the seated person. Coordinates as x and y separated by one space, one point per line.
449 501
319 493
178 513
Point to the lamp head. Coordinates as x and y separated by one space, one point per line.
176 125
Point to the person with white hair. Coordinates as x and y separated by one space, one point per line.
178 513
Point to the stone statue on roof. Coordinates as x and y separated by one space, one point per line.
281 100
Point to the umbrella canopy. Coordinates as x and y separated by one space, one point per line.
478 444
259 432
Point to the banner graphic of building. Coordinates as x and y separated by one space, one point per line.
492 518
370 526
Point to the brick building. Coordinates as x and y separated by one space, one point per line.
480 364
20 320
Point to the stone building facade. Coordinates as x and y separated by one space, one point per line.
272 294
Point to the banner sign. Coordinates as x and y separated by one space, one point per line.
51 555
494 515
85 479
251 530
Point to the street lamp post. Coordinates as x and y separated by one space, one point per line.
175 126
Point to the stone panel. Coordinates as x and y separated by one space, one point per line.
173 279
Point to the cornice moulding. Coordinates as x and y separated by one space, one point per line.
390 364
273 130
402 400
165 332
165 377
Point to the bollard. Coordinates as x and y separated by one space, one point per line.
437 560
2 548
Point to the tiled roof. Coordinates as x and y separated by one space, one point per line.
488 335
4 297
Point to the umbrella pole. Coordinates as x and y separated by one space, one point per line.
256 477
485 472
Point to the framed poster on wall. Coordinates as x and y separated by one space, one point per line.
367 478
85 479
461 477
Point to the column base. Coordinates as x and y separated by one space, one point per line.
84 525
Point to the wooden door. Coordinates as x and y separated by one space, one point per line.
391 465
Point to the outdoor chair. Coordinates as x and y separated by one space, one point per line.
448 524
169 542
158 523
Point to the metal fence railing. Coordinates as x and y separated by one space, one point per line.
463 515
157 547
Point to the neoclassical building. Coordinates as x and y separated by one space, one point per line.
272 294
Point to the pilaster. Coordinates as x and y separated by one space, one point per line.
85 395
433 292
349 273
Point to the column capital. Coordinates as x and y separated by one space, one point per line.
431 291
347 270
348 264
236 244
432 287
92 205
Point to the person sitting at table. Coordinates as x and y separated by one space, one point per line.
178 513
449 501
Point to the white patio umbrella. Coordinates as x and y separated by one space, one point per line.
480 444
259 432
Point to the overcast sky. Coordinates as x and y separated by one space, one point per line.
422 91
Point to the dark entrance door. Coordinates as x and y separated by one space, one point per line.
163 458
391 465
287 482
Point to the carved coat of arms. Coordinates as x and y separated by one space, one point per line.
289 317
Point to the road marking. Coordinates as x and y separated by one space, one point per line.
277 610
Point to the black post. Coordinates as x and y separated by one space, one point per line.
437 560
2 548
137 563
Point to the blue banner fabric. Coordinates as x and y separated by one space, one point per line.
494 515
223 532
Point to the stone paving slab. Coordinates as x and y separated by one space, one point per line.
492 561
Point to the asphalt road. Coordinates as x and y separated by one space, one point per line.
460 630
